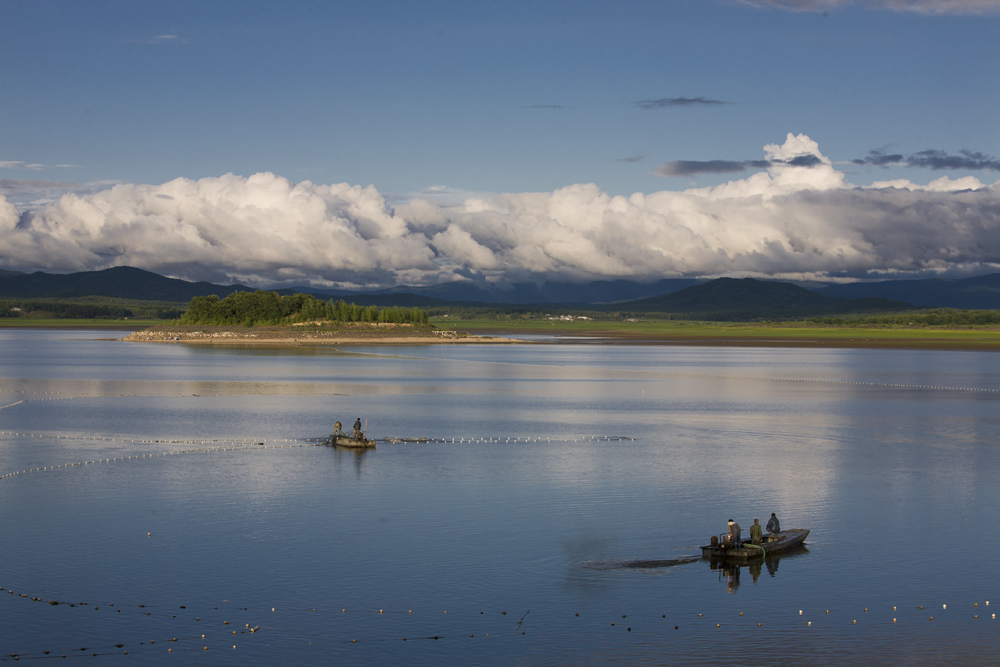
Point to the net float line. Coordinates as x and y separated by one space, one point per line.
629 626
218 445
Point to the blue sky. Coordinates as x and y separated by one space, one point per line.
450 109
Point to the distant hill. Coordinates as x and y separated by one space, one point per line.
979 293
725 298
122 282
125 282
746 298
562 293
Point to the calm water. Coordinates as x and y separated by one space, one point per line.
486 550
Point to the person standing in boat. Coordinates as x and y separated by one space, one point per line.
773 527
337 426
357 429
734 534
756 533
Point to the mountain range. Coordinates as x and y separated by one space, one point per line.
735 297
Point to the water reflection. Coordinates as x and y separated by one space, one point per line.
351 457
729 571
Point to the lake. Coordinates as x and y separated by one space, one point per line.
172 503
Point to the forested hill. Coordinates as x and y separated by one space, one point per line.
980 292
746 298
123 282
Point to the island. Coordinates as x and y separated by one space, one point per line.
314 333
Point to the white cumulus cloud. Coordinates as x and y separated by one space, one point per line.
799 218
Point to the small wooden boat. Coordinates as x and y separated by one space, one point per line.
343 440
773 544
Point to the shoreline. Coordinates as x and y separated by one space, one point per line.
353 334
290 336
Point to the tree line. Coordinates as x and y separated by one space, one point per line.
270 308
11 308
930 318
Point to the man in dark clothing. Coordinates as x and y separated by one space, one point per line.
357 429
773 527
734 534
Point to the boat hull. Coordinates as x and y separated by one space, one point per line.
783 541
348 441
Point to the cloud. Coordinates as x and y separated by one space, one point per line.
680 168
37 193
161 39
17 164
943 184
929 7
931 159
797 152
787 221
666 102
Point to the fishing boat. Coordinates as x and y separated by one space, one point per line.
772 544
342 440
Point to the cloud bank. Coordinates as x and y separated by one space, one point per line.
799 218
968 7
932 159
667 102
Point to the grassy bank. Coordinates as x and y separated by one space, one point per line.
727 333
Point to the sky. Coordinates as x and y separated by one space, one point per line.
378 143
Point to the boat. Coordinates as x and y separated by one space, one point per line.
342 440
772 544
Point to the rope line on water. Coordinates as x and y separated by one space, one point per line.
236 444
216 632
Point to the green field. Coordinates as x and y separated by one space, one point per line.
795 334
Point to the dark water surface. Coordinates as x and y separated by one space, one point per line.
509 545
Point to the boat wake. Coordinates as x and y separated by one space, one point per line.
639 564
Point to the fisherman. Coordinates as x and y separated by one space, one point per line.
337 426
734 534
357 429
773 527
756 533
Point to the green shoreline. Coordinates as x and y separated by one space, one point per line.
659 333
747 335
